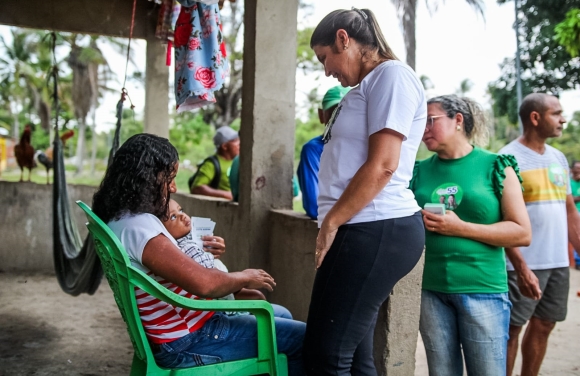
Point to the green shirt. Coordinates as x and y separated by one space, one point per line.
207 172
575 187
472 187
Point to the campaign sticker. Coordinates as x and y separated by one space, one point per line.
449 194
557 175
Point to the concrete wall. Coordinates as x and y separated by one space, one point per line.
291 260
26 245
26 224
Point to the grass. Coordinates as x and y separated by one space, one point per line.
86 178
38 176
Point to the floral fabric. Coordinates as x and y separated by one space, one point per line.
200 55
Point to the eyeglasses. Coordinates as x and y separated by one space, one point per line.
431 121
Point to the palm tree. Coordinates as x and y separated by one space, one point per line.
23 71
84 62
90 75
407 12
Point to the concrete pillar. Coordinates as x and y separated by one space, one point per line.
156 89
397 327
267 128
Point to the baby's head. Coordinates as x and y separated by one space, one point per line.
179 223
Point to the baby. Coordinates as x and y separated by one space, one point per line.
179 226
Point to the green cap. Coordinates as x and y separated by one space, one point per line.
333 96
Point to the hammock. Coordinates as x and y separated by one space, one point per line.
78 269
77 266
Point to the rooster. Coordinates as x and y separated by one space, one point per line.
46 159
24 153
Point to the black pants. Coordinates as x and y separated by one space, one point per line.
361 268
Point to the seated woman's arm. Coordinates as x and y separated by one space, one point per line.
164 259
513 231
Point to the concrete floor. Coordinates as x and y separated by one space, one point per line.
44 331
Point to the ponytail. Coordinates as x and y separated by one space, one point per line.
360 24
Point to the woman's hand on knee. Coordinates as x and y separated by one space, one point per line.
324 240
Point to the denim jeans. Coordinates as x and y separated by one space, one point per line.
223 338
282 312
478 324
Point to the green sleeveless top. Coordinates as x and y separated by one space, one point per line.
472 187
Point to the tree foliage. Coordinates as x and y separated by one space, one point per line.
546 66
568 32
568 142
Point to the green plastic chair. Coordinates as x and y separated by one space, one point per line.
123 278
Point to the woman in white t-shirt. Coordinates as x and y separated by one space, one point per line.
133 200
371 231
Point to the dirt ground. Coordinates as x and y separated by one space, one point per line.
44 331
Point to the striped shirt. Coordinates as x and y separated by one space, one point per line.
546 184
162 321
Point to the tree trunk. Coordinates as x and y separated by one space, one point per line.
16 126
94 141
81 145
408 23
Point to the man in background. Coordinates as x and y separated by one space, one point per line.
311 152
211 178
539 291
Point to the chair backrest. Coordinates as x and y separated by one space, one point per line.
116 266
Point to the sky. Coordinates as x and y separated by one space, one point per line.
453 43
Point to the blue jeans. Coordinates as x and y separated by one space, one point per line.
478 324
282 312
223 338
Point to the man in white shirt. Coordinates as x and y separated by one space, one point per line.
539 291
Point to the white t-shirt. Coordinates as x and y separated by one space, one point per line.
546 185
134 231
162 321
391 96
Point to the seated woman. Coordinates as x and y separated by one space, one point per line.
465 309
133 200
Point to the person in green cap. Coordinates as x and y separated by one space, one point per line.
312 150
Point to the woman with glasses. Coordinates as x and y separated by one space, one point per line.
465 308
371 231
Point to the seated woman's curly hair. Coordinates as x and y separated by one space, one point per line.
138 179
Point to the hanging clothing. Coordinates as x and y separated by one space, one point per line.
201 66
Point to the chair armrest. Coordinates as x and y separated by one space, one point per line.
262 310
153 288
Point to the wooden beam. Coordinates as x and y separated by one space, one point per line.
102 17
